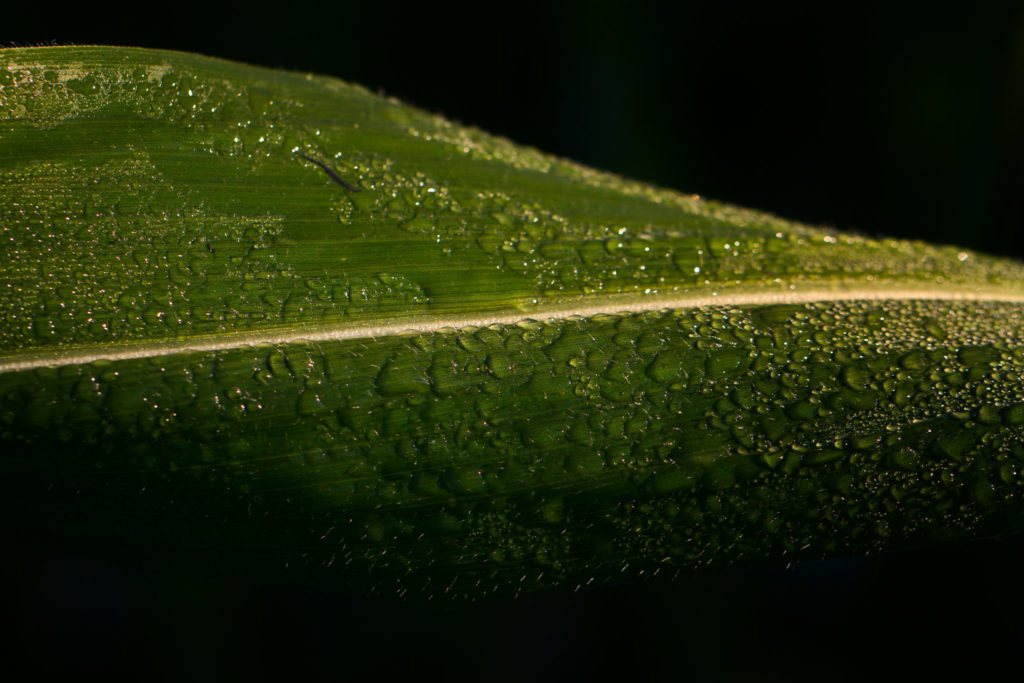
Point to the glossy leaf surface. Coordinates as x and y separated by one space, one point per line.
274 321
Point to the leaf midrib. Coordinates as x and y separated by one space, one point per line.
82 354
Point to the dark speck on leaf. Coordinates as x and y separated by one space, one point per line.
330 172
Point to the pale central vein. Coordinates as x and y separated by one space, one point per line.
320 333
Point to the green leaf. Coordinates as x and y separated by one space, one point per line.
272 321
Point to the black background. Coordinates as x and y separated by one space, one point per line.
903 120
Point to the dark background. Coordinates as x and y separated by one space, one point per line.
890 119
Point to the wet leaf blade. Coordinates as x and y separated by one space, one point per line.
279 321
